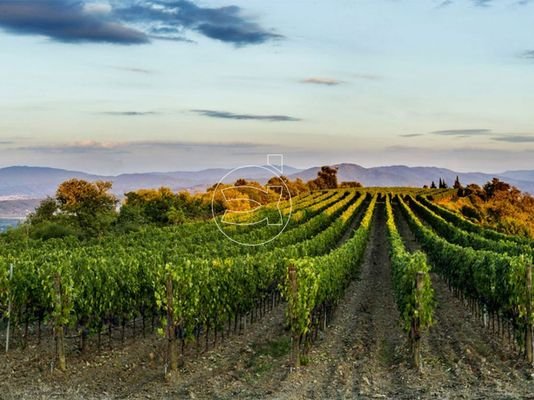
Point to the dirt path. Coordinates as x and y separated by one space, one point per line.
460 355
358 354
242 366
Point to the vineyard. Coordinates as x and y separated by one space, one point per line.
366 293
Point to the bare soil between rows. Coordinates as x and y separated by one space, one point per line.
362 355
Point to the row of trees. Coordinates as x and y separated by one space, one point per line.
442 184
89 209
497 204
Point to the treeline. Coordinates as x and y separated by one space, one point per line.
87 210
496 204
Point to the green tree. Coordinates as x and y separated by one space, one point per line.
46 211
89 204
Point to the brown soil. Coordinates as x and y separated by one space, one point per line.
362 354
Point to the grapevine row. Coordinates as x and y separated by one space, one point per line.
497 282
314 285
412 285
463 223
467 239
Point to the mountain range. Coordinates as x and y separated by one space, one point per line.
21 185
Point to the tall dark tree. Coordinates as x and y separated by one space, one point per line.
326 179
457 184
433 185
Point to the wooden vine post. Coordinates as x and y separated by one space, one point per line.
59 329
9 309
172 349
293 299
529 328
415 331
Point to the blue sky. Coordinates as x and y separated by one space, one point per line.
143 85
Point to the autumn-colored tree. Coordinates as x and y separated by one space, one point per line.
350 184
328 175
89 204
326 179
496 204
287 187
496 186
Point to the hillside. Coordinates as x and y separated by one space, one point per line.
26 183
401 175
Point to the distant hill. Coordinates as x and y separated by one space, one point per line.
20 186
38 182
524 175
35 182
401 175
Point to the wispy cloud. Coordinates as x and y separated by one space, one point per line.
86 146
481 3
515 138
322 81
96 147
528 54
229 115
368 77
129 22
463 132
134 70
129 113
445 3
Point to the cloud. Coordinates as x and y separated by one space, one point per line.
368 77
515 138
97 8
86 146
322 81
133 69
129 113
65 21
95 147
229 115
170 18
481 3
528 54
463 132
129 22
445 3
